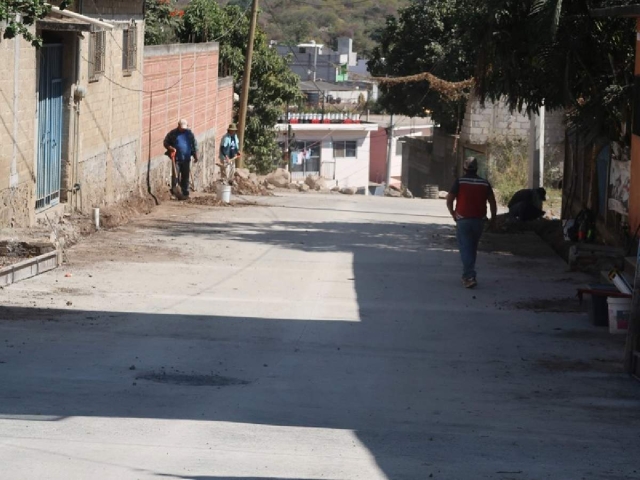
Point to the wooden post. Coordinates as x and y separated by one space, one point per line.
246 81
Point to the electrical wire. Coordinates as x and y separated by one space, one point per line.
163 90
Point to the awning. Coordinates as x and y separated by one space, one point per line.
68 21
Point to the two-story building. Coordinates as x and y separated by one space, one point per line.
75 111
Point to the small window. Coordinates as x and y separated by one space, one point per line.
97 46
129 49
399 144
345 149
302 50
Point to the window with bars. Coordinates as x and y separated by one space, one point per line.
129 49
345 149
97 47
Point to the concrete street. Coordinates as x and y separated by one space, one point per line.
311 337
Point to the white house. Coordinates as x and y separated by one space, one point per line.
339 152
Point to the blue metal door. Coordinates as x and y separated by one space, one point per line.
49 161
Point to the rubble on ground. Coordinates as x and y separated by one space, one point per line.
279 179
392 192
349 190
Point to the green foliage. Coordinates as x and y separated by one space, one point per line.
426 37
272 82
508 169
162 22
555 53
296 21
20 15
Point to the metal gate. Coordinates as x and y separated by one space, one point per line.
49 161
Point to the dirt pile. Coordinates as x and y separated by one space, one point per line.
211 200
249 186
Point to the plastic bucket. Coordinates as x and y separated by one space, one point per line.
224 193
619 314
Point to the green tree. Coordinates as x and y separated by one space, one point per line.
272 82
426 37
162 22
20 15
556 53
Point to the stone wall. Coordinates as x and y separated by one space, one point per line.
17 132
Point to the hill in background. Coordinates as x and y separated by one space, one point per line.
295 21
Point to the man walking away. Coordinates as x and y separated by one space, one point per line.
471 194
229 150
526 205
182 143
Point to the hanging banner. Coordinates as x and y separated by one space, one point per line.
619 179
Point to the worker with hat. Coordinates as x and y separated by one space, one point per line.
229 149
181 145
471 194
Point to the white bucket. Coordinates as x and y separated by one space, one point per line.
224 193
619 314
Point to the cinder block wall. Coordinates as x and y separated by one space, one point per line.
494 120
110 126
17 132
181 81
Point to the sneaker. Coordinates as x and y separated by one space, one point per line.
469 282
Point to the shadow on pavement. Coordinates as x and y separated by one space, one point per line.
414 378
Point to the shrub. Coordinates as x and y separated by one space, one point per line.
508 167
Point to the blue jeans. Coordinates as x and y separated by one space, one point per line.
469 231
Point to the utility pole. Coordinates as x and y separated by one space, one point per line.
536 149
389 151
246 80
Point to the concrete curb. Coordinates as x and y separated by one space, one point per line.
29 268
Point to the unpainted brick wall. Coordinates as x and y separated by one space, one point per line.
181 81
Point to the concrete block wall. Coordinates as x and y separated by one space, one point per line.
110 126
108 9
181 81
494 120
18 104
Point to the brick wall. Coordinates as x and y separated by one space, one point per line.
181 81
17 132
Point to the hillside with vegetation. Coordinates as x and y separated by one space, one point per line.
295 21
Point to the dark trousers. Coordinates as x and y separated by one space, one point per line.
469 231
184 169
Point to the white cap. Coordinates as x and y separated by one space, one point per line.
183 123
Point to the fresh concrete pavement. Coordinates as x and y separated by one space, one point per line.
311 337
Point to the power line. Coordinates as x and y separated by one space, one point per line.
162 90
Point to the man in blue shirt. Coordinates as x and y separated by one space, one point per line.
182 143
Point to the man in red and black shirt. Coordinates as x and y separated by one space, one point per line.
470 194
